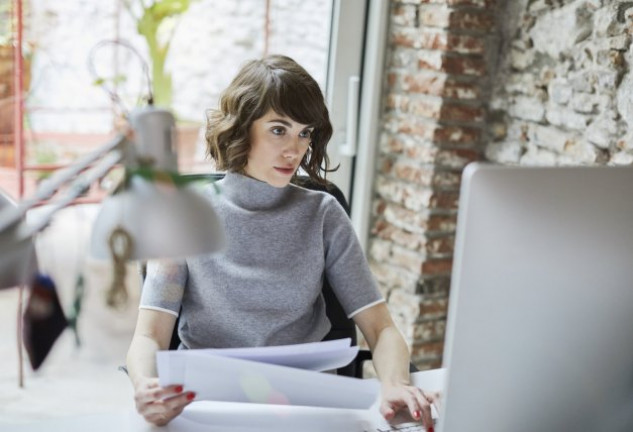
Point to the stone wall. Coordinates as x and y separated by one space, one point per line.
563 93
438 62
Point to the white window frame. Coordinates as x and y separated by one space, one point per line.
357 49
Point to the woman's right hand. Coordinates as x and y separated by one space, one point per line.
159 405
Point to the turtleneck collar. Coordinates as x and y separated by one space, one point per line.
250 193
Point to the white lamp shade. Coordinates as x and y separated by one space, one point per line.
164 221
18 262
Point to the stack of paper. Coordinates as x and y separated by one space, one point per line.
235 417
282 375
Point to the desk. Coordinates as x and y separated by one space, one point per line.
218 416
237 417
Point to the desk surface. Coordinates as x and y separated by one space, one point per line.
216 416
229 417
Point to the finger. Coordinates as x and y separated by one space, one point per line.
179 411
424 413
389 406
387 411
418 405
163 411
159 419
423 399
179 402
172 391
161 406
154 411
155 393
147 397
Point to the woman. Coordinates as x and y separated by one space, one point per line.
265 288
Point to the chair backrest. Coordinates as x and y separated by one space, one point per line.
342 326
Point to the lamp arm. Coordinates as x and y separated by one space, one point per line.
12 215
79 186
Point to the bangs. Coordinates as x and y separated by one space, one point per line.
291 97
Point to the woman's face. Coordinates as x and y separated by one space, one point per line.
278 144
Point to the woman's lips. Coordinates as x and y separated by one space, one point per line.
285 171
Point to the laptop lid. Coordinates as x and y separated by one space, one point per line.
540 323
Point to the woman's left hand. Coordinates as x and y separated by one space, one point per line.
415 400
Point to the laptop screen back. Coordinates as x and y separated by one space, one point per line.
540 325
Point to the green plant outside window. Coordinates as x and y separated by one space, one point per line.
156 24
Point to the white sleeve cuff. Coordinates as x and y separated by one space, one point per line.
159 309
365 307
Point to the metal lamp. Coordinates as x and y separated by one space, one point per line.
154 213
163 219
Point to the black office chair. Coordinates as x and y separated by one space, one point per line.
342 326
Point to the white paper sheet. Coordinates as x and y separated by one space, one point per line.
253 417
317 356
431 380
235 380
218 378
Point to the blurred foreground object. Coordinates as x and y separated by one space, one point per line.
162 216
44 320
152 214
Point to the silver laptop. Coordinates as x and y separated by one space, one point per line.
540 325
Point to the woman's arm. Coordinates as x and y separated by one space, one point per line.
391 360
156 404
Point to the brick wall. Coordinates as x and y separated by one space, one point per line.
435 108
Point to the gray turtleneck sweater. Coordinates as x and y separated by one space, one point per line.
264 288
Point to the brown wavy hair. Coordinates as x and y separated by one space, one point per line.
275 82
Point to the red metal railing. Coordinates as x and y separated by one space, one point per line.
18 112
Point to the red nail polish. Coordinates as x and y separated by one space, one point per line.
430 429
178 389
416 414
191 395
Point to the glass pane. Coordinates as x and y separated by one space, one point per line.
69 112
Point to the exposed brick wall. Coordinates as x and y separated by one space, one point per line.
526 82
435 109
563 89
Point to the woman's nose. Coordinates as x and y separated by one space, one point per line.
292 149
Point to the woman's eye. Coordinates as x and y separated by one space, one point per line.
305 134
277 130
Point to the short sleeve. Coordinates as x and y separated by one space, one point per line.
164 286
346 268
